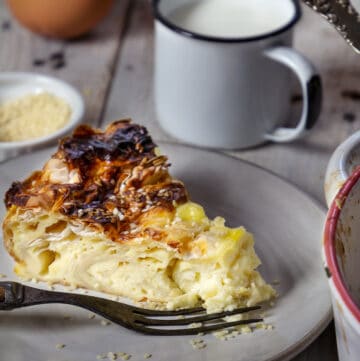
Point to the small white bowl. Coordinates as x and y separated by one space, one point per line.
16 84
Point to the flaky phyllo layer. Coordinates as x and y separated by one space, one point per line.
105 214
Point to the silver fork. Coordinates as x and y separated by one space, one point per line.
15 295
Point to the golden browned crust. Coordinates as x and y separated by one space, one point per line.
113 181
8 235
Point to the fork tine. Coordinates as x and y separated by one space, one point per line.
193 331
189 320
159 313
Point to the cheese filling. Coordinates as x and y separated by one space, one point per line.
216 268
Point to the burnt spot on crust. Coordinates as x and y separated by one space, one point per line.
16 196
107 180
121 139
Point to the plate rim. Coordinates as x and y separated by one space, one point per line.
223 154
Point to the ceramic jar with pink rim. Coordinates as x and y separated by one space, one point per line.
341 246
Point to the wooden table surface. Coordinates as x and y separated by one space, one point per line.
113 68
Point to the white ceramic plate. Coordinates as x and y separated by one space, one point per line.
287 225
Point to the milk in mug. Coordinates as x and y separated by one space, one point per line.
233 18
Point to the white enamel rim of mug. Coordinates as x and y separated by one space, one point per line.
295 18
336 280
52 85
338 171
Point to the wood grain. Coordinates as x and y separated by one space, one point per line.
89 61
131 94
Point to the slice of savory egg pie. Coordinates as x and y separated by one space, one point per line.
105 214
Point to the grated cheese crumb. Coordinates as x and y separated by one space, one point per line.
197 343
245 329
220 334
112 356
201 346
59 346
264 326
195 325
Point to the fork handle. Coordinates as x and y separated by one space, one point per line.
15 295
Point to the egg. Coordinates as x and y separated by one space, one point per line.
60 19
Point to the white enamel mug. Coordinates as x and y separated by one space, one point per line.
341 246
230 92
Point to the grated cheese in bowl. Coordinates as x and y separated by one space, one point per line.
32 116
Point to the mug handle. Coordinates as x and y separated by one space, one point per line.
311 87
